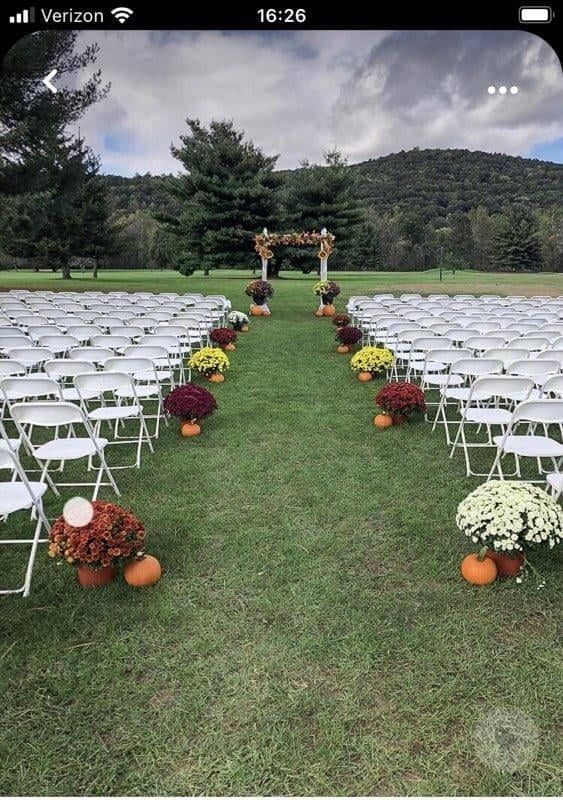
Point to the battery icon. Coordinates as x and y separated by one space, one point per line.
535 14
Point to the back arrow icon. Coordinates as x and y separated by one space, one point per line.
47 81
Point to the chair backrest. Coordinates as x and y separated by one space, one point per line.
445 355
97 355
96 384
48 415
146 351
474 367
83 332
553 386
508 387
58 344
8 342
482 342
507 354
67 368
111 341
132 331
530 343
138 367
533 367
543 411
551 355
9 366
29 355
22 388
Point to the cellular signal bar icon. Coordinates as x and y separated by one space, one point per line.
23 17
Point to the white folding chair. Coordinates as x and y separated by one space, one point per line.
531 414
490 403
61 448
109 390
540 369
146 383
21 495
64 371
458 392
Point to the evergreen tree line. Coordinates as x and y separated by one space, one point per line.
58 212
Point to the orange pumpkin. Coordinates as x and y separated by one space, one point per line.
478 569
329 310
319 312
245 329
230 346
190 429
144 571
383 420
363 377
266 313
342 348
256 311
216 377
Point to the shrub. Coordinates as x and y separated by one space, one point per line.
509 515
209 360
348 335
341 320
259 291
372 359
328 290
401 398
222 336
189 402
114 535
238 319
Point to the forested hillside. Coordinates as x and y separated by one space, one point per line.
416 208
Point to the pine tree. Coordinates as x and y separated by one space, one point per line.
516 246
323 196
228 194
45 172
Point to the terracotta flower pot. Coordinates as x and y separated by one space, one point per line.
508 565
363 377
398 419
216 377
343 348
89 578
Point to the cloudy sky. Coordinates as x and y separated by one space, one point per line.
298 94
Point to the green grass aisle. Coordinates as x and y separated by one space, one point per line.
311 633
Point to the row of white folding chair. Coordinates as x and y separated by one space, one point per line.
88 385
492 401
139 367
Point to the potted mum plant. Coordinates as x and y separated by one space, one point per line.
341 320
239 321
224 337
113 537
260 291
327 291
400 400
210 362
504 518
190 404
371 361
348 336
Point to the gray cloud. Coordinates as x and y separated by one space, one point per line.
301 93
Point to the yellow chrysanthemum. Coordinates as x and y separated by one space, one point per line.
209 359
372 359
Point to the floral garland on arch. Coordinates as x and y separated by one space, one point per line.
263 242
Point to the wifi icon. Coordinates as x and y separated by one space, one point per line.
122 13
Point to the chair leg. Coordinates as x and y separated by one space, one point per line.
31 560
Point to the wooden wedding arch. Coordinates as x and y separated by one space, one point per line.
264 242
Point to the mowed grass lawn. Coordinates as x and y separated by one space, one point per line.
311 633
